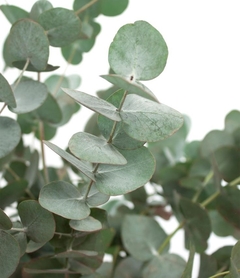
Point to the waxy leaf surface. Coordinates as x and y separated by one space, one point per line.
88 224
29 96
94 149
6 93
39 223
142 236
10 135
64 199
138 50
9 254
13 13
118 180
5 222
62 26
95 104
146 120
27 40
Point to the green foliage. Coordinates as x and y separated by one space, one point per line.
61 222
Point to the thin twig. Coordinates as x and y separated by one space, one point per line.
85 7
41 133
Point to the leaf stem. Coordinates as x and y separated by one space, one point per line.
13 173
62 234
205 182
234 182
220 274
91 182
41 133
115 123
210 199
169 237
82 9
19 230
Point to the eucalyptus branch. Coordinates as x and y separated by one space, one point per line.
23 230
221 274
62 234
205 182
234 182
169 237
91 182
85 7
210 199
12 172
41 133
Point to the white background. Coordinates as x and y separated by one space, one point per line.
201 78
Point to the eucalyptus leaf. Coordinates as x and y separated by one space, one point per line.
57 22
113 7
21 64
232 120
49 111
39 7
138 51
6 93
128 266
12 192
132 86
9 254
167 265
10 135
27 40
94 149
64 199
197 226
80 165
13 13
5 222
145 120
214 140
38 222
29 96
88 224
95 104
117 180
96 198
235 259
142 236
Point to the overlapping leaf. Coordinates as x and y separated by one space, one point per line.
9 254
13 13
142 236
113 7
27 40
145 120
39 7
88 224
80 165
29 96
10 135
64 199
5 222
6 93
94 149
118 180
57 22
96 104
38 222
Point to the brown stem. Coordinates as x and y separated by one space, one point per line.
85 7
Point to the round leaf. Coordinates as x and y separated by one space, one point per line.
138 51
27 40
142 236
64 199
232 121
89 224
13 13
49 111
113 7
198 225
118 180
128 267
96 198
39 7
38 222
29 96
10 135
145 120
168 265
5 222
62 26
94 149
213 140
6 93
9 254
